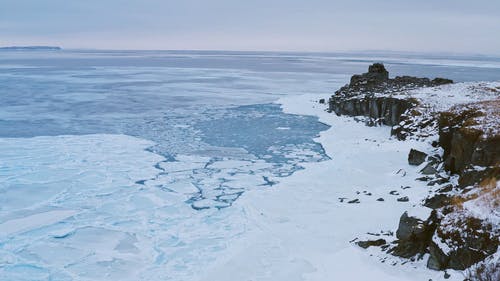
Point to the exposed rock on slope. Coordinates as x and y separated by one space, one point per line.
377 81
462 122
470 137
470 227
369 94
414 235
416 157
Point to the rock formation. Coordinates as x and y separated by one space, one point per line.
414 235
377 81
416 157
369 95
469 136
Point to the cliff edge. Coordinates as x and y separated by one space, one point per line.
460 122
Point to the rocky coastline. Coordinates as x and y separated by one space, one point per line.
461 124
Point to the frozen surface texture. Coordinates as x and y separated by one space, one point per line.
308 237
75 211
80 200
179 166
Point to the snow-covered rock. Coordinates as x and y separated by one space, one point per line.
462 122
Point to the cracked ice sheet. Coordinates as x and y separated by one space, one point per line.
70 209
299 230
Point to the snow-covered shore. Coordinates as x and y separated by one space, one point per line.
300 229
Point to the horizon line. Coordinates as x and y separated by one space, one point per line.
381 51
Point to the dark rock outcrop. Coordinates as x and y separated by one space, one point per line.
471 240
428 170
368 94
403 199
438 260
369 243
441 81
414 235
474 176
383 110
470 138
438 201
472 151
466 143
377 80
376 74
471 145
416 157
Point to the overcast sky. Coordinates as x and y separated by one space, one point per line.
458 26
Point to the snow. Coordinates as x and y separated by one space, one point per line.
486 205
71 209
103 225
306 235
34 221
482 97
105 207
443 97
296 230
100 205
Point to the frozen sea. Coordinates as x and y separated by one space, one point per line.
126 165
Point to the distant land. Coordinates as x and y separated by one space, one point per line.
30 48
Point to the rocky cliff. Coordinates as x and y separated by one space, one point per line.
470 138
370 95
462 123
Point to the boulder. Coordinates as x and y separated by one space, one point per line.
410 227
416 157
403 199
438 181
369 243
428 170
414 235
446 188
437 201
441 81
438 260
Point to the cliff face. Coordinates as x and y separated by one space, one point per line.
470 139
466 121
370 95
377 81
469 135
382 110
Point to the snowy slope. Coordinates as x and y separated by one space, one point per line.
306 236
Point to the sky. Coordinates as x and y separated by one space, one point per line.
446 26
